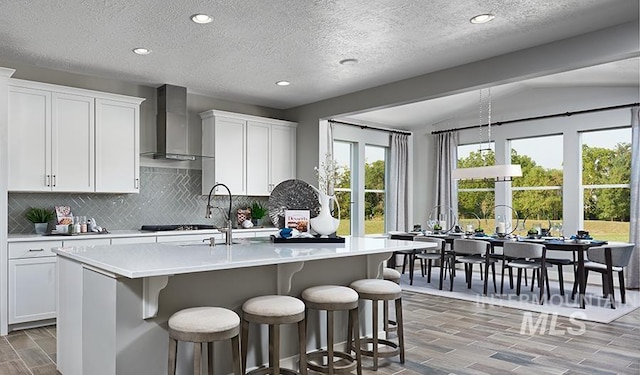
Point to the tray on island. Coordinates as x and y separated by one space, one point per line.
275 239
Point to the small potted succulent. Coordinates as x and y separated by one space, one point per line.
437 228
40 217
257 212
479 232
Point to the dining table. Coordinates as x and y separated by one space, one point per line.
577 246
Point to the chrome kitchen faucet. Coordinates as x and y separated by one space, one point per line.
228 234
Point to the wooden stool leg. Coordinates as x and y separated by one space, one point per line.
274 347
197 358
244 343
209 357
355 326
400 328
385 317
375 334
173 347
330 362
302 340
235 352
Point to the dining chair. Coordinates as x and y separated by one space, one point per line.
561 262
523 256
606 260
438 254
470 252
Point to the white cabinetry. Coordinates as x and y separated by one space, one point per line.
251 154
224 139
72 140
117 146
32 281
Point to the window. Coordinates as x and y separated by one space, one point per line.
476 198
606 175
343 152
537 195
374 189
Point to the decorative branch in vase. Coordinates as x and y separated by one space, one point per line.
325 224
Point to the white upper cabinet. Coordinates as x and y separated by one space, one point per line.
29 139
72 140
251 154
117 146
72 146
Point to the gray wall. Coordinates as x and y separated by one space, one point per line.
167 196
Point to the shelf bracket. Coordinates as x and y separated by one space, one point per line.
151 287
285 275
374 264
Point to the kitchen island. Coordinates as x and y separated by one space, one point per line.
114 301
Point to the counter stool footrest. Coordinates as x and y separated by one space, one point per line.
269 371
344 365
383 347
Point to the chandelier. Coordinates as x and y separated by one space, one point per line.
498 172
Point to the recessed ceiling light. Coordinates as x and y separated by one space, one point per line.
348 62
141 51
283 83
201 18
482 18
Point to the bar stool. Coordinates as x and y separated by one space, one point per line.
274 310
394 276
204 325
331 298
381 290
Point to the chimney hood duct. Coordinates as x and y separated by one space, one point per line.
172 129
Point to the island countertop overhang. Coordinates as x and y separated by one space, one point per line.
163 259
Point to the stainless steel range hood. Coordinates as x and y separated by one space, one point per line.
172 125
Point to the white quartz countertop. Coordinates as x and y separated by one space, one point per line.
159 259
125 234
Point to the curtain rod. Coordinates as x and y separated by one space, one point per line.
565 114
372 127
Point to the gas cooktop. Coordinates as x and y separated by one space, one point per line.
162 228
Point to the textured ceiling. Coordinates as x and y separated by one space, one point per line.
414 116
254 43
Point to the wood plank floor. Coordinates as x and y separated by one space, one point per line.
443 336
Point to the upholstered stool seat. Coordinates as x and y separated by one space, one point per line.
204 325
381 290
391 275
331 298
274 310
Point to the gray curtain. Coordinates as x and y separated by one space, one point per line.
446 189
330 153
398 187
633 271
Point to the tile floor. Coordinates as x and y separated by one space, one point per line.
443 336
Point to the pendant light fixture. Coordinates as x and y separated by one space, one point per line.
498 172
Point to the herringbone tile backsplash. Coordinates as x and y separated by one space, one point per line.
167 196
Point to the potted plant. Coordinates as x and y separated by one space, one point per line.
40 217
532 233
479 232
257 212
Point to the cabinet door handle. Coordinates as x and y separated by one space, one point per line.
136 183
36 249
48 180
54 180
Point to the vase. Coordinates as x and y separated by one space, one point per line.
324 224
41 228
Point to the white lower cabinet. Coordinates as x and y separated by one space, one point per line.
32 281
